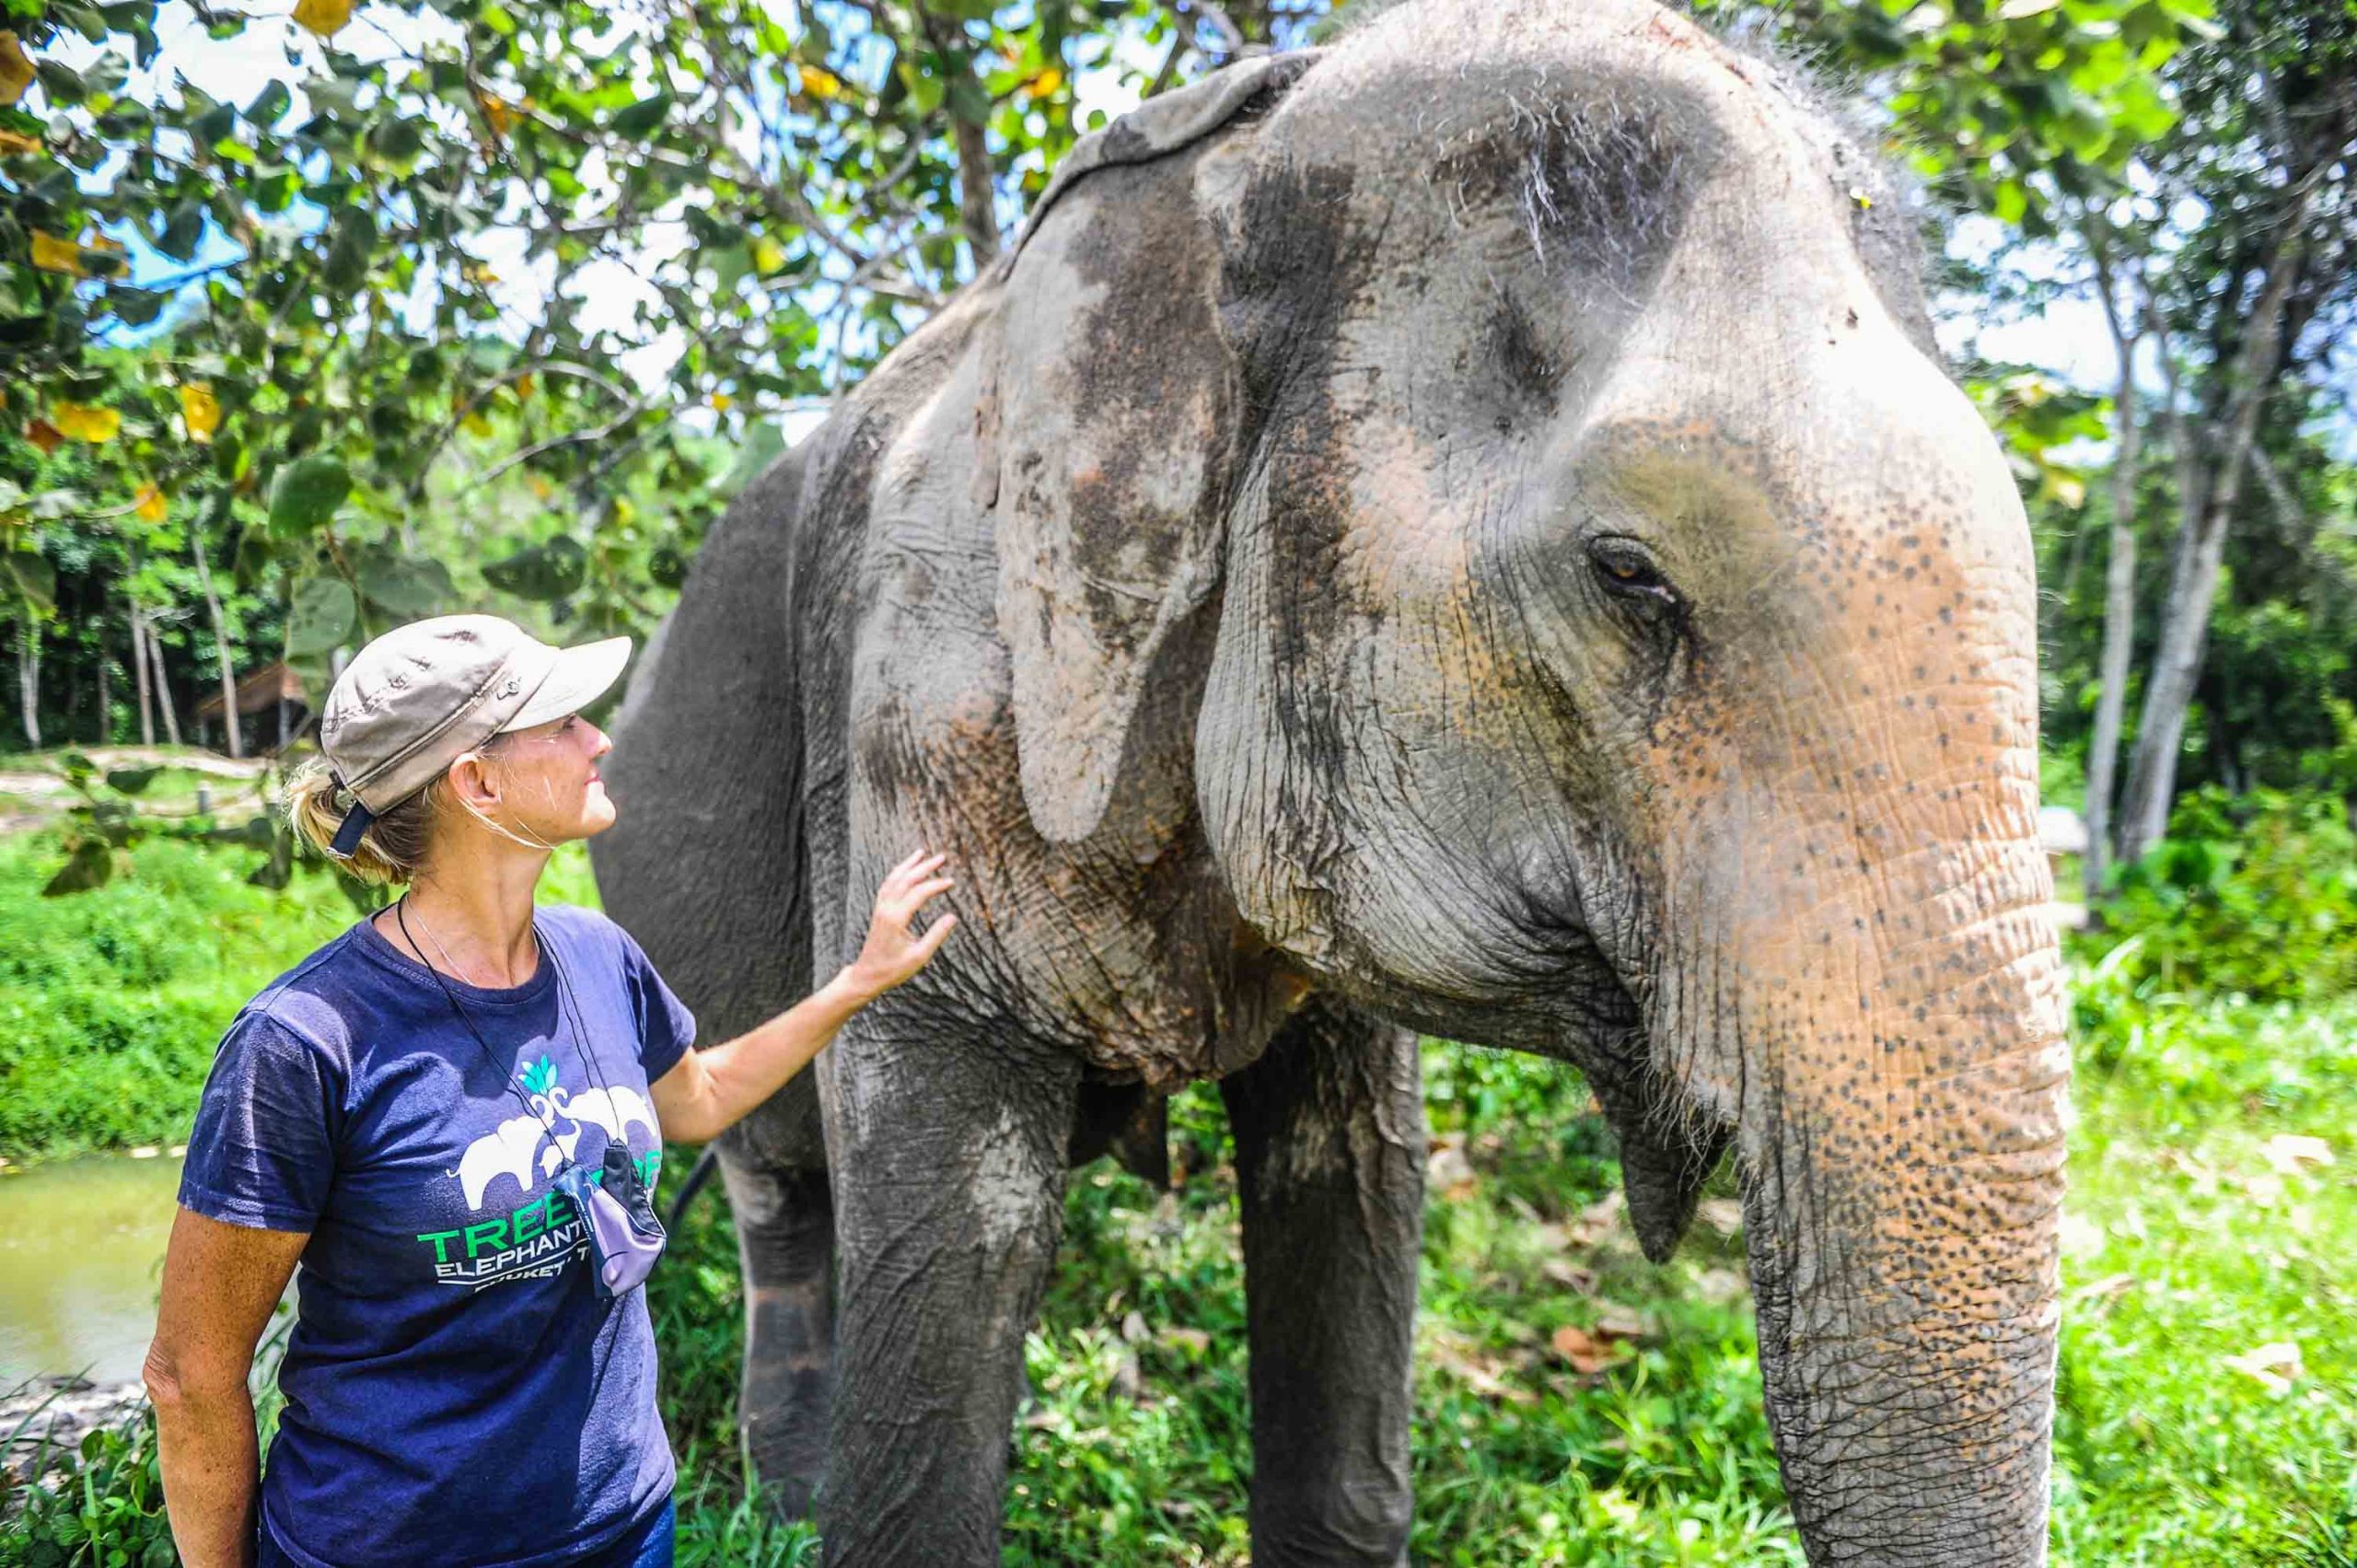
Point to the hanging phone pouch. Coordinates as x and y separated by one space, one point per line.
626 1238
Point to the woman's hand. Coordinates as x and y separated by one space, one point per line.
892 953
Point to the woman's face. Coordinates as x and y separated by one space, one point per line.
549 787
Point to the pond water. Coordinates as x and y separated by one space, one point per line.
81 1253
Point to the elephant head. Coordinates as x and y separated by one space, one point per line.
1512 490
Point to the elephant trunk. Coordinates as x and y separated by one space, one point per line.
1894 1084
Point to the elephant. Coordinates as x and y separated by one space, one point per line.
1463 531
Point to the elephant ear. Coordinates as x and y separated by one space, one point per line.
1106 426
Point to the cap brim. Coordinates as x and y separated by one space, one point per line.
579 678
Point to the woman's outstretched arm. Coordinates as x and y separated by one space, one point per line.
708 1091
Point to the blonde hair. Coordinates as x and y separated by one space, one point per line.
393 848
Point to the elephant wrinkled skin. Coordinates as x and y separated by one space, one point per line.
1459 531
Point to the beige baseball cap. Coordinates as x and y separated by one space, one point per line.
420 696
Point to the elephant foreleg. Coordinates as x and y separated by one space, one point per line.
948 1144
1329 1152
785 1237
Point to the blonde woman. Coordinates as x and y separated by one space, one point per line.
420 1114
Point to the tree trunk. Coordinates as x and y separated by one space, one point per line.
977 205
2119 590
163 689
2193 587
139 674
106 680
29 677
220 642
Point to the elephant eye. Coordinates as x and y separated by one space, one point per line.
1626 569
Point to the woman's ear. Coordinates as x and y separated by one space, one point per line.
473 781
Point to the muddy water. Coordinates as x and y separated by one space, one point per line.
81 1249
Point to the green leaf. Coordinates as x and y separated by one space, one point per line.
542 572
90 865
321 617
34 579
641 119
307 492
130 781
408 586
269 104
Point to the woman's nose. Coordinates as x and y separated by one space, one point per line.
601 745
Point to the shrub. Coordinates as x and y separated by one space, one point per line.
2254 894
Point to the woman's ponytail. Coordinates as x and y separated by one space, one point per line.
392 848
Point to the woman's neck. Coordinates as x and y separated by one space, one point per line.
470 916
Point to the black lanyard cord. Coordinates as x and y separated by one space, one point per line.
567 1009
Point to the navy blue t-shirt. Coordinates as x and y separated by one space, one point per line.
456 1393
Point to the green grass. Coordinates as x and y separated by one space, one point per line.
2187 1248
111 1000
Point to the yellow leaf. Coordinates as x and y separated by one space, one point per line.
477 274
14 146
541 488
16 71
475 425
100 242
81 422
2068 489
768 255
325 17
819 83
200 411
1046 82
497 113
45 435
524 385
151 508
52 254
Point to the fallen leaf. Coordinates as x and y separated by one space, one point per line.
1129 1379
1620 1323
1720 1286
14 146
82 421
1193 1340
200 410
1722 1214
1571 1276
1448 1168
1046 82
2278 1366
53 254
1599 1219
1484 1375
1587 1354
325 17
2097 1292
820 83
151 506
16 71
45 435
2287 1152
1134 1328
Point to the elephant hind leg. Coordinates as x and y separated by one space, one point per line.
785 1238
1329 1152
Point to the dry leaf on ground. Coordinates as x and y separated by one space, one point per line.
2277 1365
1587 1354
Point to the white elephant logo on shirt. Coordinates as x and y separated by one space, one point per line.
530 1147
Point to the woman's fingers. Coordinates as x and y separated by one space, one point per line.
931 941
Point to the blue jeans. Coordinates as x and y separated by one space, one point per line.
647 1546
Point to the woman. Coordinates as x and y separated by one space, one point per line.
396 1113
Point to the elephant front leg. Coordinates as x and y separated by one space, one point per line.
1329 1152
948 1146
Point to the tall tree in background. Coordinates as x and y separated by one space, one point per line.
2250 299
